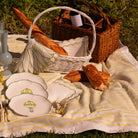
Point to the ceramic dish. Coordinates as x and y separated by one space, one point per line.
26 76
62 89
25 87
29 105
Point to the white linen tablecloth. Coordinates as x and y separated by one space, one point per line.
112 111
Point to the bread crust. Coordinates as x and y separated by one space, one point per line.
38 34
80 76
94 77
76 76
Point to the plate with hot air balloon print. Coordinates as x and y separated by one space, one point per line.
30 105
25 87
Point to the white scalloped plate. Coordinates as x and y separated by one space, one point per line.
25 87
62 89
26 76
30 105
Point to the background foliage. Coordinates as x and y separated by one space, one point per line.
125 10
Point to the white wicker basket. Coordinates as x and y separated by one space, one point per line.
38 58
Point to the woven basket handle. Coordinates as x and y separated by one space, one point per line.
102 14
66 8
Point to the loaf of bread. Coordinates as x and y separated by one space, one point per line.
105 76
76 76
94 77
80 76
38 34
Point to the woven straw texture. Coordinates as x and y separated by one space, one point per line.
37 58
107 32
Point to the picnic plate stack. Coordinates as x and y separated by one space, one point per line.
107 31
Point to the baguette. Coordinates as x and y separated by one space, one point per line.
105 76
38 34
94 77
80 76
76 76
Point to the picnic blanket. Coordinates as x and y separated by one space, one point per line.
112 111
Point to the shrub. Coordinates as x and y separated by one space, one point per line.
125 10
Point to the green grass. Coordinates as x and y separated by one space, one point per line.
125 10
87 134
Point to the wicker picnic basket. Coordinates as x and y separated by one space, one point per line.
107 32
38 58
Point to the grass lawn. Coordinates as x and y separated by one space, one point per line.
87 134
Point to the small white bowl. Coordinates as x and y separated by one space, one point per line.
30 105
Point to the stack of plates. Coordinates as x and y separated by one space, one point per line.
27 94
